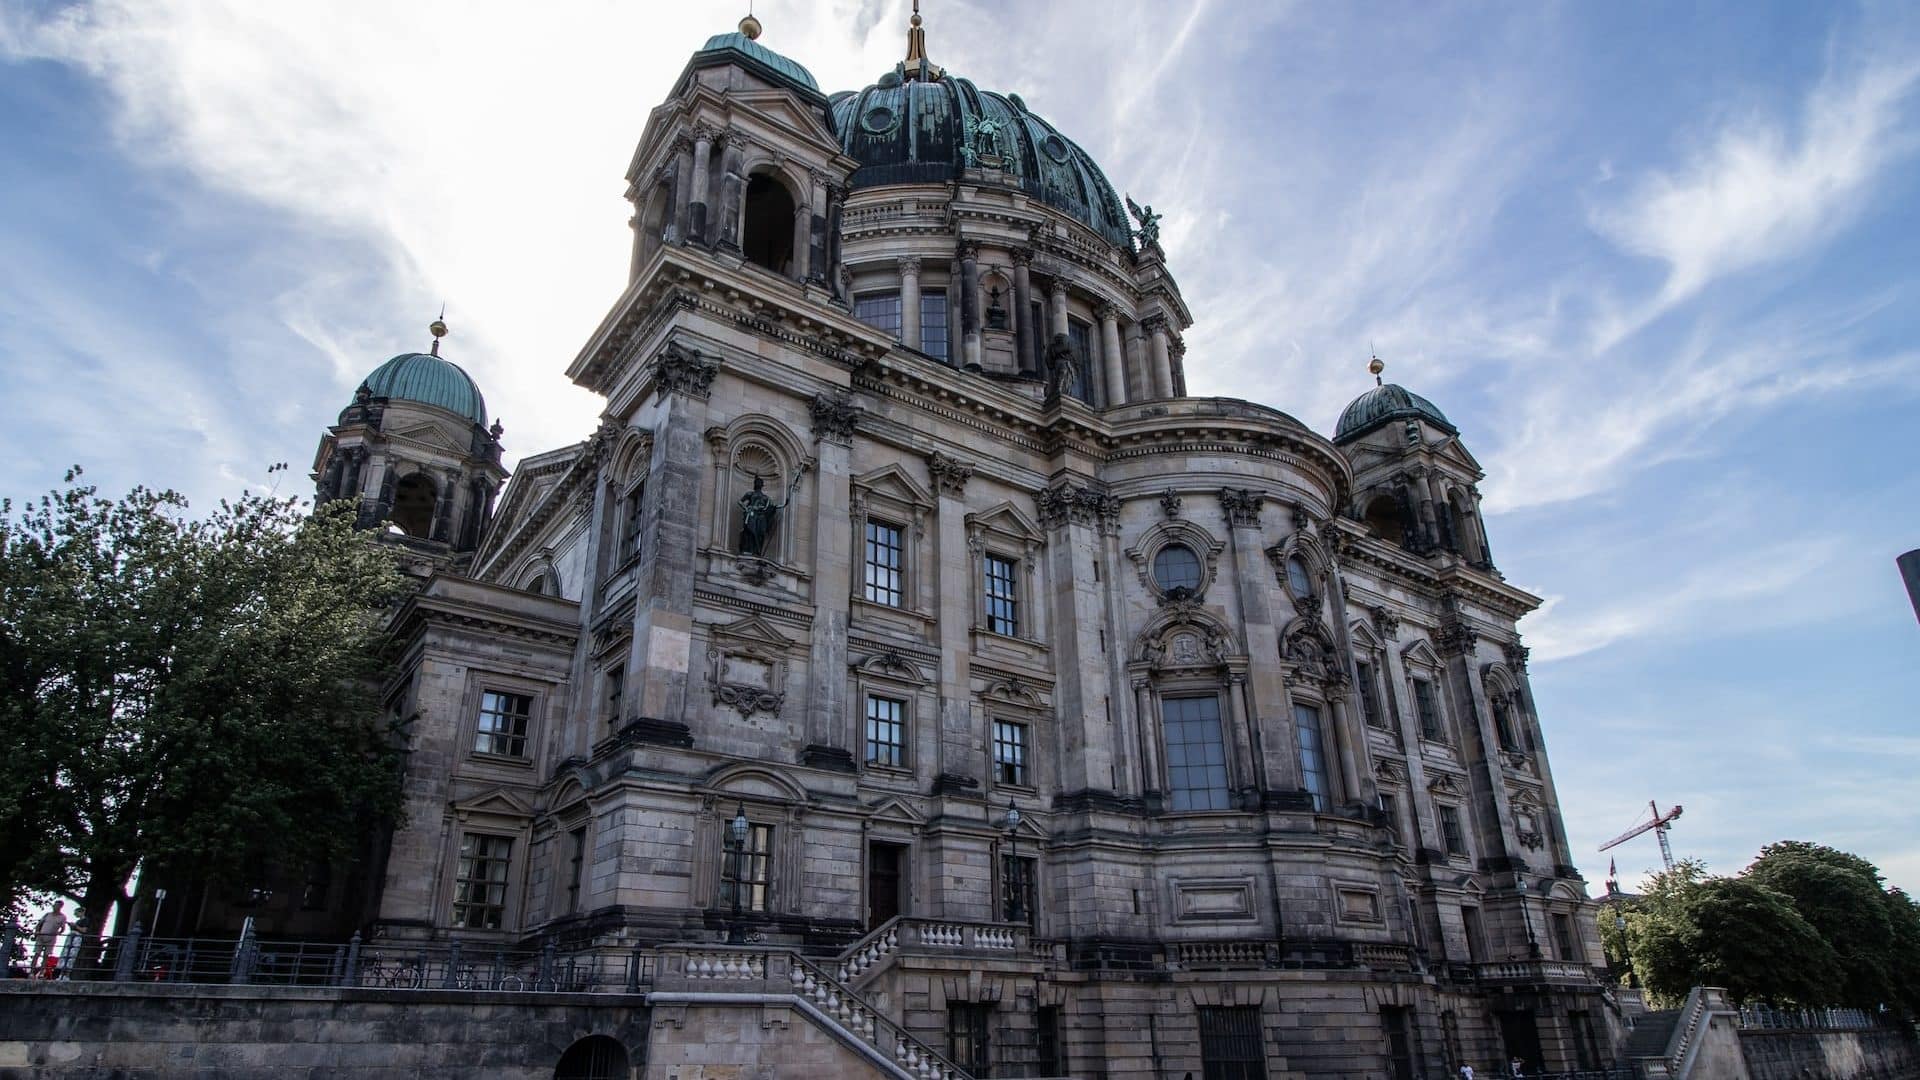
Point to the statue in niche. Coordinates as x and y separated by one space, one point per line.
1062 368
759 514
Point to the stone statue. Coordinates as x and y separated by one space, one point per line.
1062 367
982 141
759 514
1149 231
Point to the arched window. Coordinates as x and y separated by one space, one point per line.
767 236
595 1057
1298 580
1177 567
1385 518
414 500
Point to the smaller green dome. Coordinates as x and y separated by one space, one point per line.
429 380
1390 402
753 50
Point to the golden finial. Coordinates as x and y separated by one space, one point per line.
750 26
916 38
1376 367
438 328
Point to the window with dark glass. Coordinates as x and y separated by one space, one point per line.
503 724
933 324
1476 935
1080 338
1369 694
1048 1059
1390 809
886 731
631 516
967 1036
1230 1043
1003 597
879 310
1563 937
1009 752
577 866
1298 579
1450 832
885 560
746 871
616 690
1427 706
1313 754
1175 566
1196 753
480 881
1503 725
1016 889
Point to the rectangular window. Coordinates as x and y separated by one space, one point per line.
1080 338
630 523
1390 810
1369 695
1196 753
879 310
503 724
1313 755
933 324
1230 1043
884 563
1428 707
616 692
480 884
1503 726
577 868
1450 833
1009 752
1563 938
886 732
745 872
1047 1057
1003 598
967 1036
1476 935
1016 892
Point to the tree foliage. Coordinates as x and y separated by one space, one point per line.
194 694
1840 894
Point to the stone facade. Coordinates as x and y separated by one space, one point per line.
1256 695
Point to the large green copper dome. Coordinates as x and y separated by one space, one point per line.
1384 403
909 129
429 380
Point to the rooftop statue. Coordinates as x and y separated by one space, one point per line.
1149 231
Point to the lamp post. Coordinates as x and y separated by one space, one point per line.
1015 888
159 901
1520 886
738 829
1626 947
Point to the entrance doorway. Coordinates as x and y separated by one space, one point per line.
886 868
1520 1033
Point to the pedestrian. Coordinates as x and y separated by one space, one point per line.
1466 1072
46 932
1513 1068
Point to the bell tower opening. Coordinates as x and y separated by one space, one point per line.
414 501
767 232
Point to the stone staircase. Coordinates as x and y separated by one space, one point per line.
1650 1035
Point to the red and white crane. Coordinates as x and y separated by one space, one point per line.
1659 825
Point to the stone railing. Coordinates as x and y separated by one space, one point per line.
911 933
1384 957
1538 972
1202 955
850 1011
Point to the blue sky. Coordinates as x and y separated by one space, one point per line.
1656 261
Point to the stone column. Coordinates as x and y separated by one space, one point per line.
682 165
1480 531
910 302
802 237
1459 644
1398 702
1150 775
1056 308
836 204
1516 656
1177 367
659 658
1160 365
1423 506
1024 329
817 255
830 738
1110 353
1076 518
1278 768
702 187
733 193
448 483
970 300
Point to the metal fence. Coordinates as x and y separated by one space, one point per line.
250 960
1767 1018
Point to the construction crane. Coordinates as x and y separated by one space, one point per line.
1659 825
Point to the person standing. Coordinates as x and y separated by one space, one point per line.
46 932
1514 1068
1466 1072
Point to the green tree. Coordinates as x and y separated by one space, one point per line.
191 694
1840 895
1693 930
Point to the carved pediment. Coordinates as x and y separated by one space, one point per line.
497 802
894 482
778 107
1446 783
437 436
893 664
895 811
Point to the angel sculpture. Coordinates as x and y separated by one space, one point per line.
1149 231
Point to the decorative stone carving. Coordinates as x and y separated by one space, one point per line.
1022 256
748 666
1298 514
834 418
1516 654
1456 638
680 370
1242 506
1390 771
1069 503
1386 623
949 476
910 265
1170 503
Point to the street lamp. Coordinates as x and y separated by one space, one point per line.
1520 886
738 829
1626 947
1015 888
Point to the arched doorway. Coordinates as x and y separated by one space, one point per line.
767 232
596 1057
414 499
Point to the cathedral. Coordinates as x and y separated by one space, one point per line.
907 629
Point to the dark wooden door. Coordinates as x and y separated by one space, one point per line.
885 867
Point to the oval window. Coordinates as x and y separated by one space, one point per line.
878 120
1176 567
1297 577
1056 148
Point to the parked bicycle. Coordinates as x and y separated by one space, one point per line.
400 975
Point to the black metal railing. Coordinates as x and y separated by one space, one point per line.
391 965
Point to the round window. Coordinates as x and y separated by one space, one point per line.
1297 577
1176 567
878 120
1056 148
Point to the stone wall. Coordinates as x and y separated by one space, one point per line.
132 1032
1829 1055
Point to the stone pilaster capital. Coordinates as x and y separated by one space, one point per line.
1154 324
909 266
1022 256
969 250
1387 623
680 370
949 475
834 418
1516 654
1107 313
1242 506
708 133
1068 503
